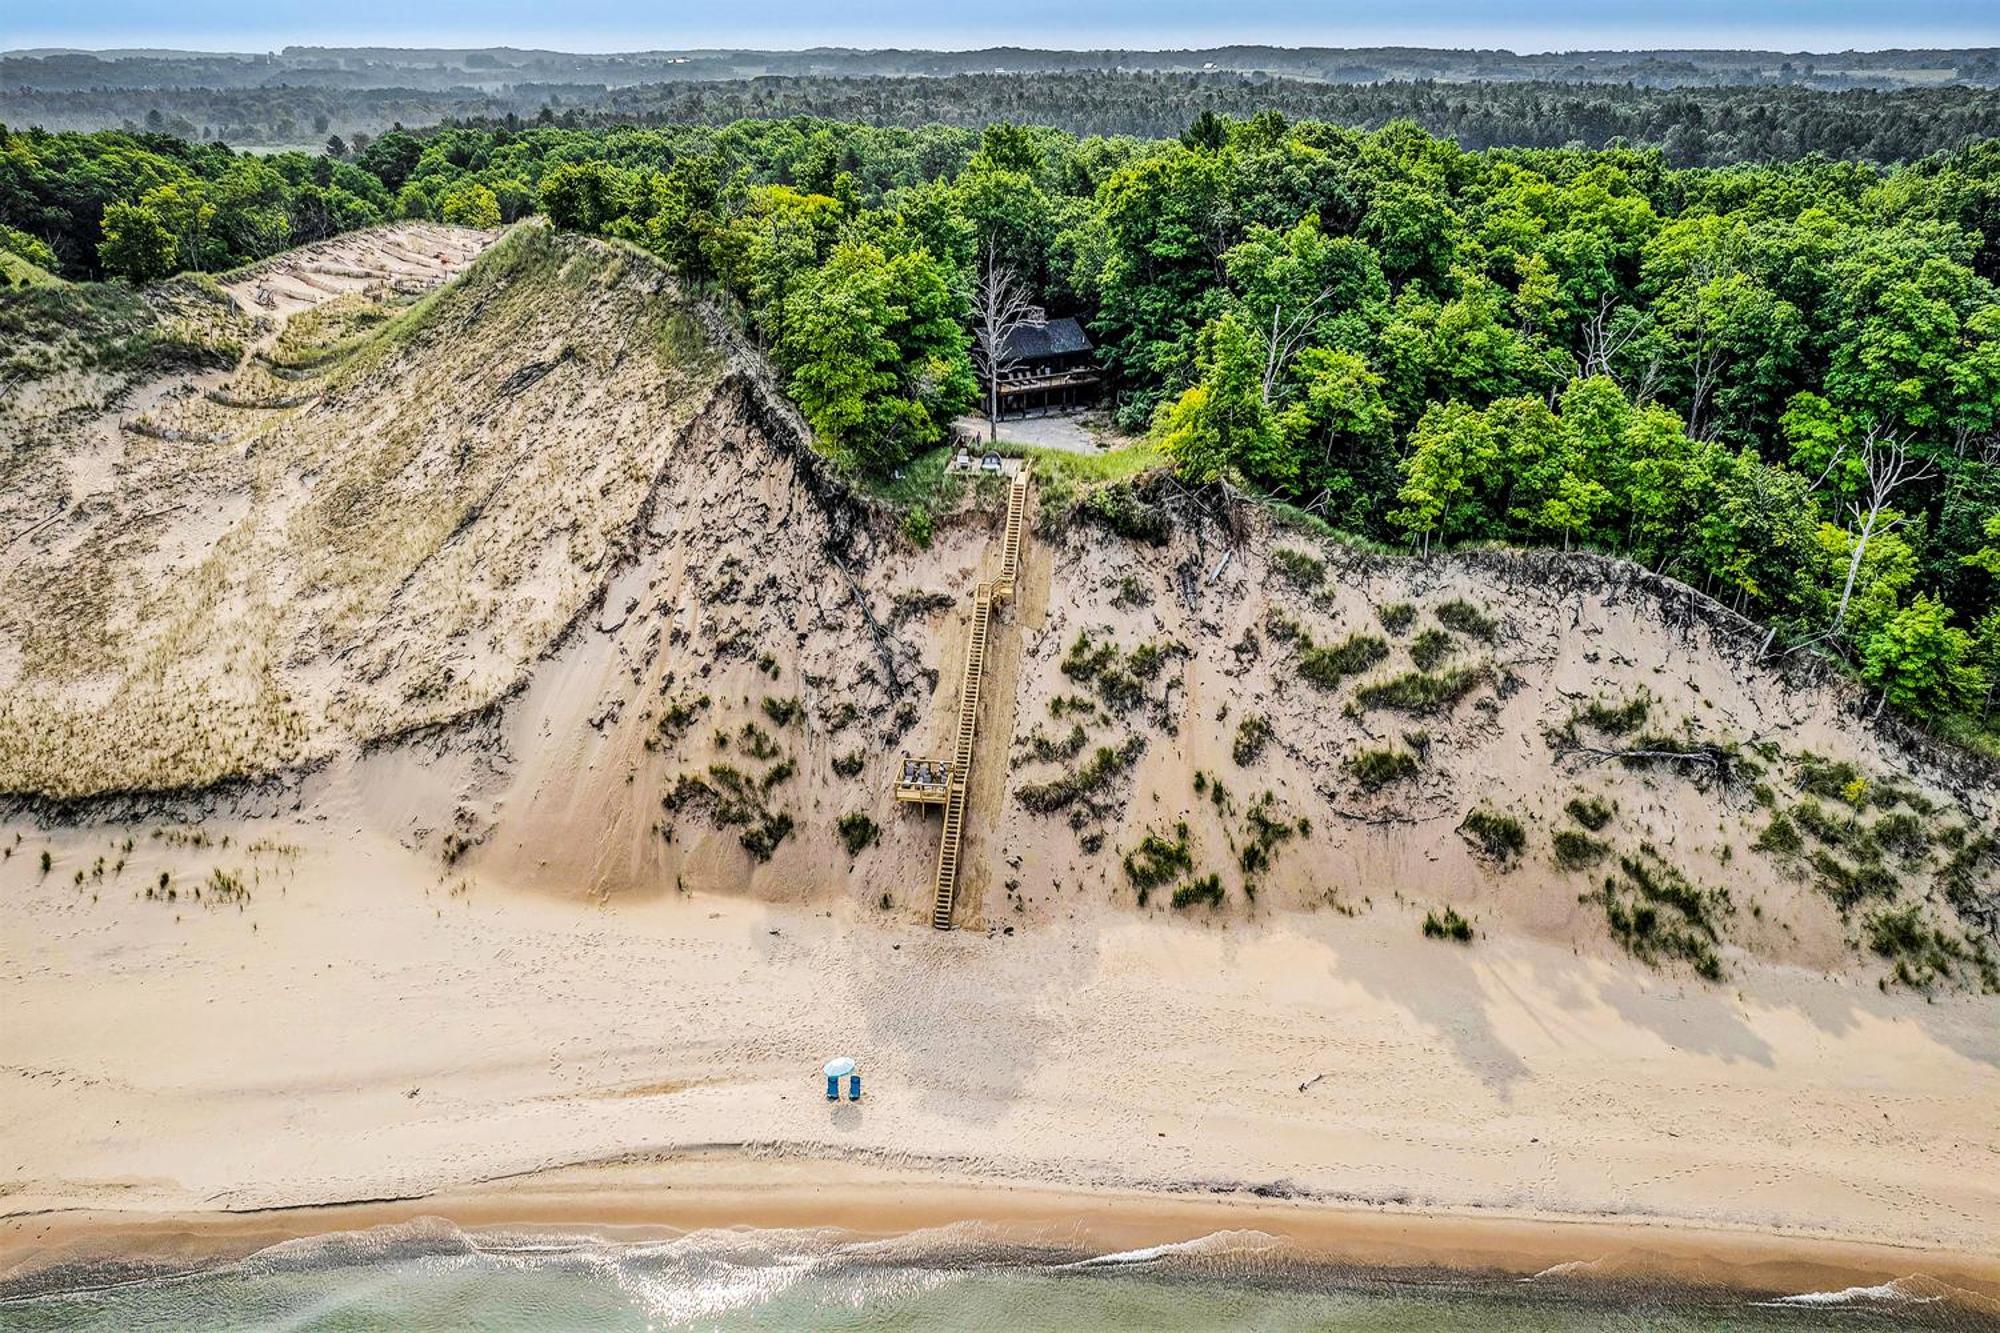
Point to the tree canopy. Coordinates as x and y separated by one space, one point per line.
1779 383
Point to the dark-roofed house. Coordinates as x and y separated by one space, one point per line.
1047 366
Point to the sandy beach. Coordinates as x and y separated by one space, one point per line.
360 1032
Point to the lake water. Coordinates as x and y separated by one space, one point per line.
431 1275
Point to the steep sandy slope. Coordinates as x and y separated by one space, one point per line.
1220 727
373 526
541 577
1327 730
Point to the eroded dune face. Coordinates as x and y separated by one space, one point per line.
539 574
1237 722
1559 743
374 525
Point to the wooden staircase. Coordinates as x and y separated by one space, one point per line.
983 600
1017 513
946 888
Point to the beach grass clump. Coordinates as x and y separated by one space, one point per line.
1848 858
1302 569
1264 831
1902 834
1576 850
1119 678
739 798
1429 649
1285 629
757 742
1851 883
1833 780
1888 794
1780 837
1130 592
676 718
1149 659
734 799
762 838
1958 879
1467 619
1423 693
1049 750
1120 688
1216 791
1159 860
1397 617
1252 734
1203 892
1616 717
1498 836
1447 925
1375 768
1328 665
1656 913
1086 786
857 832
917 604
784 712
1840 831
1593 812
223 886
1920 953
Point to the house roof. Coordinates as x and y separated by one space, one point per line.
1058 337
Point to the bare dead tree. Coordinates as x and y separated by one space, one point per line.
1287 334
1886 455
1706 363
1001 306
1603 340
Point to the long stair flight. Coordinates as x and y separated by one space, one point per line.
931 782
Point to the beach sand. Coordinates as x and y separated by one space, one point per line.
363 1030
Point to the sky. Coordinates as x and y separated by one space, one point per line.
624 25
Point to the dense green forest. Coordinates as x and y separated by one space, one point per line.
1695 126
1780 384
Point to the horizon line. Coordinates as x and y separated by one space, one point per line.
247 51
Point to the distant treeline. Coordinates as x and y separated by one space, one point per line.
1694 126
454 68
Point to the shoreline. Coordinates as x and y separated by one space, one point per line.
722 1190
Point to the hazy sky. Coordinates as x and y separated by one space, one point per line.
609 25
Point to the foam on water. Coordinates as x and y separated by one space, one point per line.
429 1273
1896 1291
1215 1245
